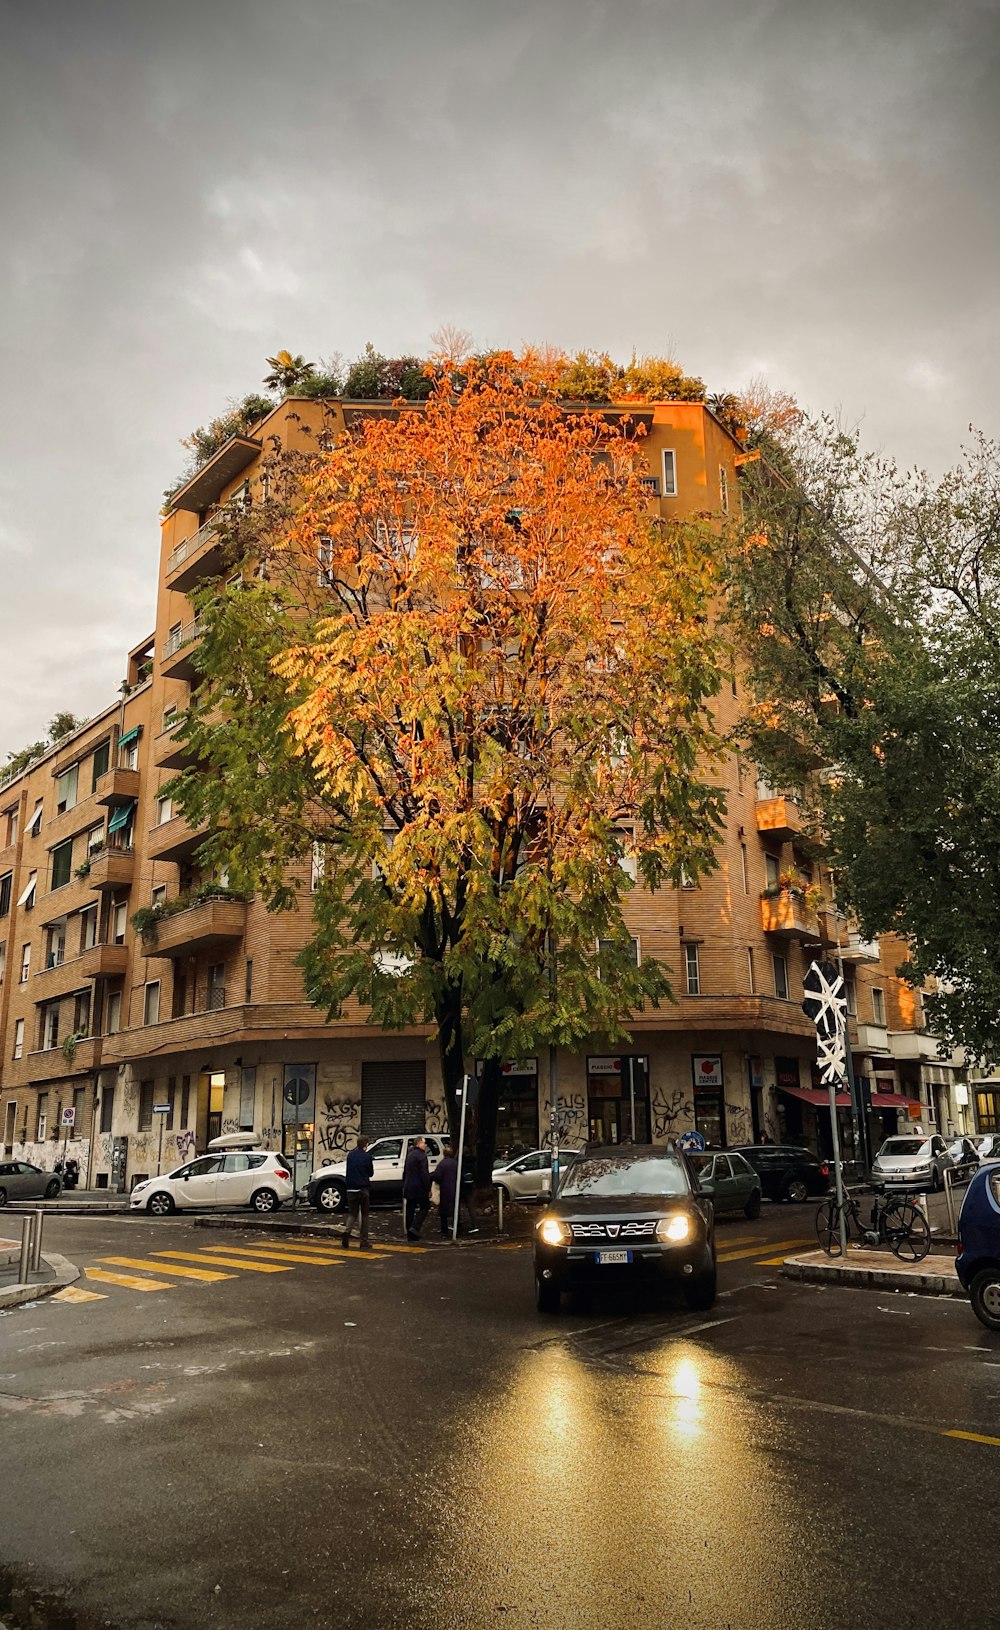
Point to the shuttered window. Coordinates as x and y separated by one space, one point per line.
393 1097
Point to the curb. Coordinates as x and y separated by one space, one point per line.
332 1230
66 1273
59 1208
931 1283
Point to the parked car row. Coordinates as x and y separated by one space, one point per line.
19 1180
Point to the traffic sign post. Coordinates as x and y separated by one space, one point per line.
826 1005
163 1110
67 1120
691 1142
469 1093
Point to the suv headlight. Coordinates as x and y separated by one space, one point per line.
553 1231
674 1230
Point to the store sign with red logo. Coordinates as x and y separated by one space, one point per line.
706 1069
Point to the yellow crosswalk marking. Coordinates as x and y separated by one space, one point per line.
266 1252
974 1437
147 1267
129 1281
768 1245
75 1293
770 1261
741 1239
377 1245
222 1261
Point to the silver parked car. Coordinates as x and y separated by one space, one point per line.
729 1181
529 1177
20 1181
912 1161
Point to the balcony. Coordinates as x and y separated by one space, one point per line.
779 818
117 786
914 1045
873 1040
112 868
207 483
786 916
856 949
51 1063
205 926
103 962
177 656
174 840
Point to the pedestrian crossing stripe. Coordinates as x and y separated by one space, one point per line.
76 1293
130 1282
765 1245
222 1261
266 1253
146 1266
312 1244
771 1262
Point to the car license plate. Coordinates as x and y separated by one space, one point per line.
612 1257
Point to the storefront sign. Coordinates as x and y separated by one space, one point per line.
706 1069
512 1066
604 1066
786 1072
756 1070
961 1094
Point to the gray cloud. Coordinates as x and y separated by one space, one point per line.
775 185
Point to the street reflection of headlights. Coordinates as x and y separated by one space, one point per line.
553 1232
674 1229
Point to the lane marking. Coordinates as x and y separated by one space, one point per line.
150 1267
75 1293
319 1253
773 1245
973 1437
771 1262
265 1253
129 1281
743 1239
223 1262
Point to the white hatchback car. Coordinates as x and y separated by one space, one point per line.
249 1176
529 1177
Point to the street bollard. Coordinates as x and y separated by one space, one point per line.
949 1200
499 1210
36 1249
23 1267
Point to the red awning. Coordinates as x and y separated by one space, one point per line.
893 1100
817 1096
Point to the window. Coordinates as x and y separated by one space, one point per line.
151 1003
128 748
158 895
107 1108
164 811
606 945
55 950
669 473
81 1014
878 1005
11 826
78 1097
146 1103
215 996
851 995
119 921
35 824
750 973
248 1094
745 869
248 984
27 896
723 490
687 881
179 1004
95 839
18 1038
692 971
185 1099
120 825
43 1115
317 867
25 963
62 863
168 1119
66 788
88 928
3 960
780 977
50 1025
102 759
6 889
324 556
113 1017
772 870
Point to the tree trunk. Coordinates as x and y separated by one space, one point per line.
452 1051
490 1077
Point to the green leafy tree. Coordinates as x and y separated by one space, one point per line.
63 725
869 609
287 372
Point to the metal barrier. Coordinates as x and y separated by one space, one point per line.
36 1249
31 1246
23 1266
949 1200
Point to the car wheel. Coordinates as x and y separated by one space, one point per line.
547 1297
700 1293
52 1189
984 1294
160 1205
752 1207
331 1197
264 1200
796 1191
3 1197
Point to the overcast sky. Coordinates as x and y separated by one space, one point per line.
803 189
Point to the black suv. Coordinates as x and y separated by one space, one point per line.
625 1214
786 1171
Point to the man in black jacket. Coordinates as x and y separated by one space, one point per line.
416 1188
360 1168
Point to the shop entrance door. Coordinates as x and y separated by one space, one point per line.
617 1090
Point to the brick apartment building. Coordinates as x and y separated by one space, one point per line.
208 1015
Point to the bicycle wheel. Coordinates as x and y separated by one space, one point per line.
907 1232
828 1227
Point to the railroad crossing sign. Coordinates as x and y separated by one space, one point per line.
826 1005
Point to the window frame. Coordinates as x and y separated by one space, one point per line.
779 961
668 487
692 968
151 1001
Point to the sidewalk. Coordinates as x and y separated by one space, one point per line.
73 1202
877 1270
55 1273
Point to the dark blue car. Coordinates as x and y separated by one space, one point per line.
978 1263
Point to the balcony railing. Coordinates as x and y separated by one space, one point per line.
197 541
786 915
181 637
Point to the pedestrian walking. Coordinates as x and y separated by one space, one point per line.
416 1188
446 1178
360 1169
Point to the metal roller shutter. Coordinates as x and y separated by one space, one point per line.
392 1097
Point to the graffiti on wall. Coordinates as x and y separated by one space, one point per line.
738 1129
667 1111
185 1145
435 1117
571 1119
339 1123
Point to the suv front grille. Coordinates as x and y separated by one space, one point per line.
614 1230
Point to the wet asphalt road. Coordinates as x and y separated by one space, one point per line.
401 1440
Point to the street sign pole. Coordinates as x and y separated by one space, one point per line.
469 1094
826 1004
631 1093
163 1110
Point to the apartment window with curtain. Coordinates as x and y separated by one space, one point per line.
692 971
66 789
146 1089
878 1005
113 1014
669 473
119 922
25 963
50 1026
95 839
43 1116
102 761
851 996
780 967
772 870
151 1003
35 824
6 890
18 1038
88 928
62 864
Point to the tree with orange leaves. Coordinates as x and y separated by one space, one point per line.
498 692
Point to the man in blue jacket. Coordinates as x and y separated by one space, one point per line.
360 1168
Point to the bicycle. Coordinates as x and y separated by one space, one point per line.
895 1221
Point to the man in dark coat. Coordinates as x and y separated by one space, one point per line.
360 1170
416 1188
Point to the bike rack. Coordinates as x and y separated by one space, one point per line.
949 1199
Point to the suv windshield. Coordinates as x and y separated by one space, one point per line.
903 1146
652 1175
